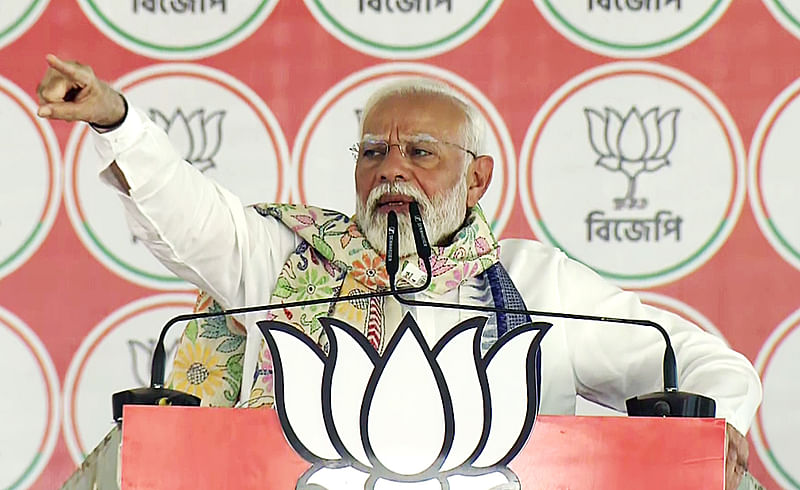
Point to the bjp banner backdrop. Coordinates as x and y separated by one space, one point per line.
653 140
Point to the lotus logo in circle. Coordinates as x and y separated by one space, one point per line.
631 145
412 417
142 357
198 136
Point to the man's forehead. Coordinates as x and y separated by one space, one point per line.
418 114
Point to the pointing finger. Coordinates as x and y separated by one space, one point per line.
70 70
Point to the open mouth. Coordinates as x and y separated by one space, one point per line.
393 202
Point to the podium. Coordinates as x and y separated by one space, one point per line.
217 448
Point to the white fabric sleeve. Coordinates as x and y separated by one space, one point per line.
196 228
615 362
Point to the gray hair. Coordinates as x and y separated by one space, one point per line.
474 129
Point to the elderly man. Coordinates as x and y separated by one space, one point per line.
420 142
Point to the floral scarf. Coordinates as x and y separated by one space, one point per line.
334 259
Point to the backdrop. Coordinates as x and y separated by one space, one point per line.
654 140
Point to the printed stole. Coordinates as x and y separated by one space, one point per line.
334 259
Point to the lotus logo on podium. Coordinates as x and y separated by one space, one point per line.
413 417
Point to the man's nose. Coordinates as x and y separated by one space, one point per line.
395 165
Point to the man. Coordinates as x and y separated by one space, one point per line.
419 142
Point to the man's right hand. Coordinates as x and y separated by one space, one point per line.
70 91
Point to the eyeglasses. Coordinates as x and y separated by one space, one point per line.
424 152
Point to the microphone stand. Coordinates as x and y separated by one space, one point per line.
668 403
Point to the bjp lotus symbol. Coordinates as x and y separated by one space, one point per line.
197 136
412 417
142 357
632 145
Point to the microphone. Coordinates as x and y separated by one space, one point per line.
392 259
418 228
667 403
157 394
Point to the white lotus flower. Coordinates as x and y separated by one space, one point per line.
413 417
634 144
197 137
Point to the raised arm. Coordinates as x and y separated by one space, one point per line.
195 227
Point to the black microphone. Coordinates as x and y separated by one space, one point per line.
668 403
157 394
392 259
418 228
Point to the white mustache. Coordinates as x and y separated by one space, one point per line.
443 214
398 188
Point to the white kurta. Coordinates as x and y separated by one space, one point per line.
204 234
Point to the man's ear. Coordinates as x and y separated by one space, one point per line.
479 176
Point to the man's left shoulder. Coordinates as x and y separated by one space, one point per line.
515 250
531 260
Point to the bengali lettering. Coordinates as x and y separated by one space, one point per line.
635 5
178 6
664 225
404 6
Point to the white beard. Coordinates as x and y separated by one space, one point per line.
443 215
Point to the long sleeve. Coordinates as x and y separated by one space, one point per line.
616 362
197 229
610 363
